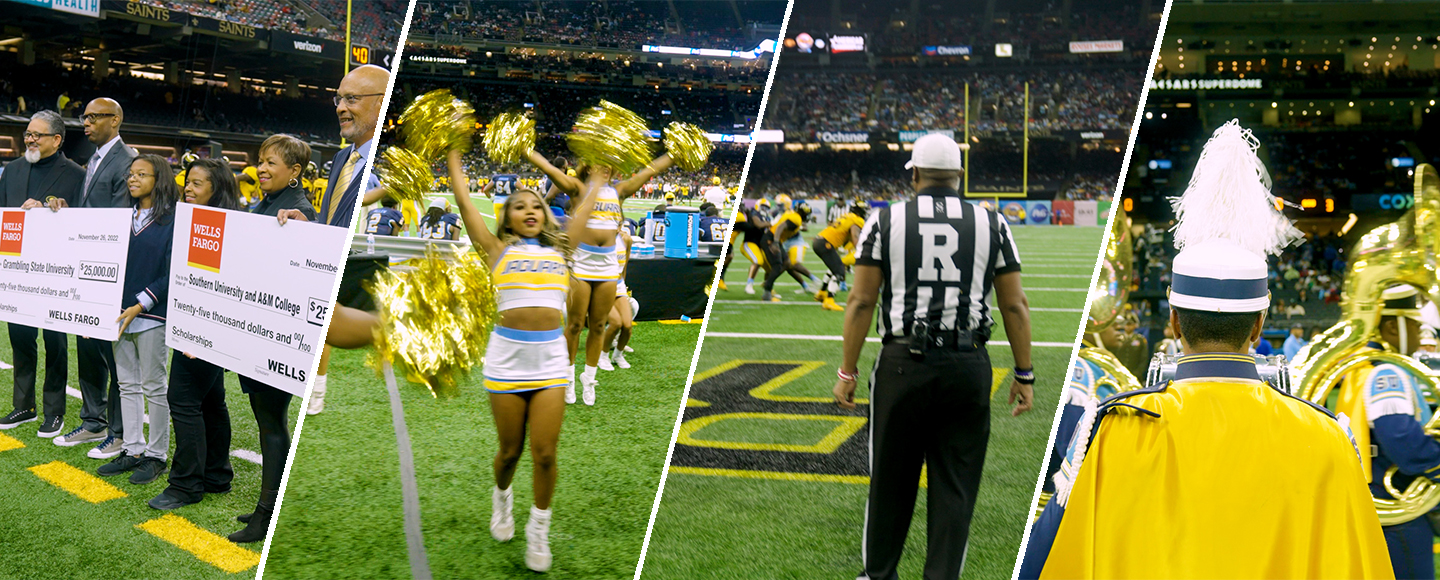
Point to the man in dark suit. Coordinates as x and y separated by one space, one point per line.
105 186
357 107
42 173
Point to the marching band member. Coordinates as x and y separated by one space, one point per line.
527 356
1161 482
1387 398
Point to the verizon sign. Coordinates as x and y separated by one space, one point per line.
1089 46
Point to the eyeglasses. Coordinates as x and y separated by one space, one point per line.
352 100
37 135
93 117
140 175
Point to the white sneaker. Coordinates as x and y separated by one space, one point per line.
317 397
604 363
502 521
589 384
620 360
570 393
749 288
537 540
628 349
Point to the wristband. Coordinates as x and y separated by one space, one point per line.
1025 376
844 376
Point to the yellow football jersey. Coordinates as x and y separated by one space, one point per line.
838 233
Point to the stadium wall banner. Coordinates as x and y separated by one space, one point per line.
64 271
1014 211
1037 213
281 41
1382 201
1034 186
912 136
89 8
945 50
251 295
1064 212
1086 212
147 12
1093 46
842 136
1102 213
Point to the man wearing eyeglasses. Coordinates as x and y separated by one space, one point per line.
104 187
357 107
42 173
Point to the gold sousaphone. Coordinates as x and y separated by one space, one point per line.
1399 253
1107 301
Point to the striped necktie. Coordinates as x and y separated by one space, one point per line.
346 173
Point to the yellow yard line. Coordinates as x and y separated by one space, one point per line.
78 483
208 547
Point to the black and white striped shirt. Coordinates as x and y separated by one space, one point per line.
938 256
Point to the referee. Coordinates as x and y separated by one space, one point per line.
929 264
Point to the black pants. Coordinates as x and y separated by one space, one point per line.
779 262
935 413
57 366
272 416
202 429
99 386
831 256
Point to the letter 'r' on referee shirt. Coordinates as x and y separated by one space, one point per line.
938 255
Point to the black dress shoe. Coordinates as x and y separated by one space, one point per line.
217 490
166 502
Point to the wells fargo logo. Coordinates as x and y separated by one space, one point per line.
12 232
207 236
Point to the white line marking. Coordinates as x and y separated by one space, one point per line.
867 339
247 455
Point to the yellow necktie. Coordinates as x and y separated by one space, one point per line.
346 172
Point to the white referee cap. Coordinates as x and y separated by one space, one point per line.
1219 276
935 151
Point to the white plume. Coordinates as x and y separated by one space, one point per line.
1229 197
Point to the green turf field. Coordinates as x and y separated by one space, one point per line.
51 531
776 488
342 508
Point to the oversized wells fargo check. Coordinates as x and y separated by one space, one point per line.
65 270
251 295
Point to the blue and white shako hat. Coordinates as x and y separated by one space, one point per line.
1227 221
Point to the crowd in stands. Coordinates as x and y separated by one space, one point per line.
1059 100
592 68
616 24
1089 186
376 23
150 102
555 107
1041 31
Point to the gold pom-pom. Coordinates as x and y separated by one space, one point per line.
610 135
687 145
437 122
509 138
435 319
405 175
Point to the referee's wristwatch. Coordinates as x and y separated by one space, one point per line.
1025 376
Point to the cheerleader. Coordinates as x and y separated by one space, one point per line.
596 266
622 317
527 355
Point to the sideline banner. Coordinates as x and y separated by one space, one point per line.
1037 213
1086 212
251 295
65 270
1064 211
